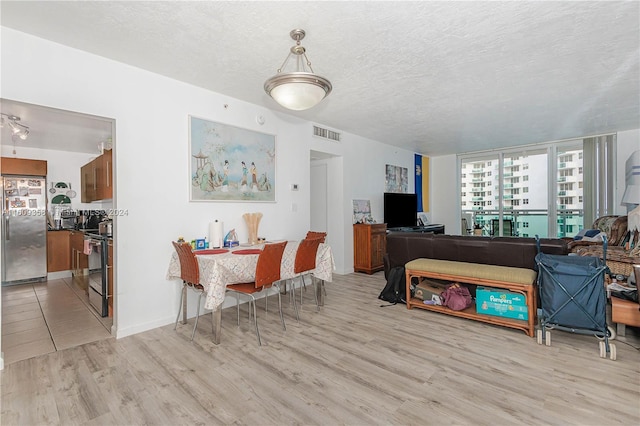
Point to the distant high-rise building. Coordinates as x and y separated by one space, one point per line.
524 192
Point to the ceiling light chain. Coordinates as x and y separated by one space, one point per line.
300 89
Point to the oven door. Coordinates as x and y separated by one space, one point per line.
95 299
97 288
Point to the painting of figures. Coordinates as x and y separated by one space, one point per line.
230 163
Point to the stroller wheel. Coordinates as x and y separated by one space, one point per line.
547 338
612 351
539 336
603 349
612 332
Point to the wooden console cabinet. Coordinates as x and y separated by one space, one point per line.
624 312
369 247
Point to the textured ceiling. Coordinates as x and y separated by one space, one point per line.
431 77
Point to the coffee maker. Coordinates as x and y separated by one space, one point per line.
92 219
64 217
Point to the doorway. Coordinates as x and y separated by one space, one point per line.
319 184
55 314
326 195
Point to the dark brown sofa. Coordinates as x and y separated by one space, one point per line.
519 252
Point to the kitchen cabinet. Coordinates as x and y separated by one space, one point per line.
104 181
88 182
79 260
369 247
110 277
23 166
58 251
96 178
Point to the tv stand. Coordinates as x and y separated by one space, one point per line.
436 228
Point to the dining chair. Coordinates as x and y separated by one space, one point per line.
322 236
267 276
304 263
190 274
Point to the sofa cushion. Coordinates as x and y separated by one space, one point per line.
474 270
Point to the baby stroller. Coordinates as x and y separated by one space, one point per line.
573 297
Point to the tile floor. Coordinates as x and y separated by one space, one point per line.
38 318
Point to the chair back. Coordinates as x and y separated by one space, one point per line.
316 235
615 227
189 271
306 255
269 261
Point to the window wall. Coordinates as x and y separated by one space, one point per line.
528 191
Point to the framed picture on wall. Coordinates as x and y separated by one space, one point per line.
362 211
229 163
396 179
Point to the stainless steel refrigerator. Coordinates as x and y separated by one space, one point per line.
24 229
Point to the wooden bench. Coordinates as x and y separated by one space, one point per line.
517 280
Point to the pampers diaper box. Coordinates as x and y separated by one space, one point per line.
492 301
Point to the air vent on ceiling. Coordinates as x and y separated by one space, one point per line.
326 134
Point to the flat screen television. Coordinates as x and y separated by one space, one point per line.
400 210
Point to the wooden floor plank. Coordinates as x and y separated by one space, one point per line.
354 362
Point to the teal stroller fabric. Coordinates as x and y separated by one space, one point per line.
572 292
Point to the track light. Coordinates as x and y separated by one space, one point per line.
18 129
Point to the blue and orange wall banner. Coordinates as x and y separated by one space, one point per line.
422 182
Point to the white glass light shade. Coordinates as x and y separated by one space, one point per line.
297 90
631 195
14 127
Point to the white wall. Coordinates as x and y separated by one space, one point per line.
151 157
445 199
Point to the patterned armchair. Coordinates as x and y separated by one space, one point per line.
620 259
615 227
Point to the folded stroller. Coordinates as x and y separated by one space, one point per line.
573 298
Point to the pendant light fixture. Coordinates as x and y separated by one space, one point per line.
17 129
300 89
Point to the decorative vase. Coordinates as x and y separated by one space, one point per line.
253 221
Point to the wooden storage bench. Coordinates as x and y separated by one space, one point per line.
517 280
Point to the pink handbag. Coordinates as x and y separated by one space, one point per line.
456 297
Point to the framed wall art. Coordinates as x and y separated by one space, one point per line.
362 211
396 179
229 163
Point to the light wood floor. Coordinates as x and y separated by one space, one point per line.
353 362
40 318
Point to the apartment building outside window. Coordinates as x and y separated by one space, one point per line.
551 176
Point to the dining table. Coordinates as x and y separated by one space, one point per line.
232 265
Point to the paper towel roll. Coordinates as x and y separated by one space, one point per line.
216 235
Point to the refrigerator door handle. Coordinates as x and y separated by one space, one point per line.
6 227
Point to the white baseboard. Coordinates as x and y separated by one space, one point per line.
58 275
